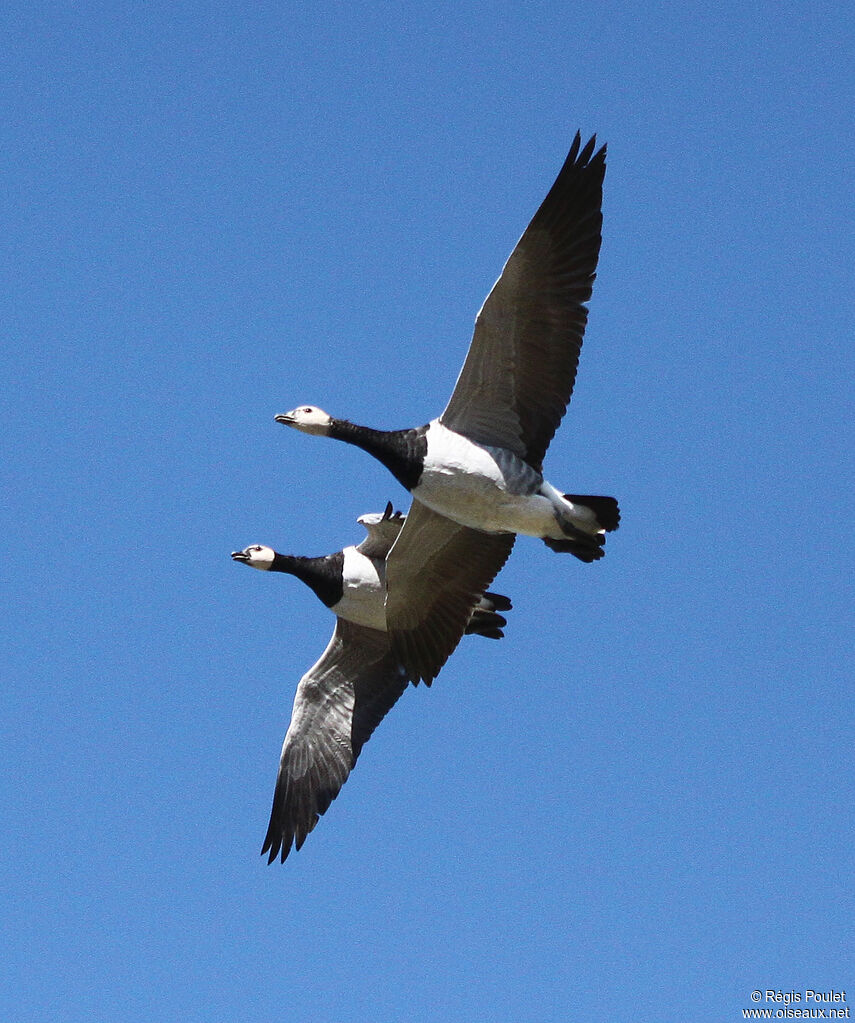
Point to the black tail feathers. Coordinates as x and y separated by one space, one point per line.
486 623
495 602
605 508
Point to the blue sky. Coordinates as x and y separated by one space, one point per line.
638 806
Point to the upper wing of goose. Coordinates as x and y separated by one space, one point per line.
521 366
383 531
435 574
339 703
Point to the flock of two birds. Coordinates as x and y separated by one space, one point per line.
405 596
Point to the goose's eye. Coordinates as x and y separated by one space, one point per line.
307 410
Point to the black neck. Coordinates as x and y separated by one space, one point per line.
401 451
323 575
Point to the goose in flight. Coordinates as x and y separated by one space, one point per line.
356 682
476 472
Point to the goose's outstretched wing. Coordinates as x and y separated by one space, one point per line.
519 373
435 575
339 703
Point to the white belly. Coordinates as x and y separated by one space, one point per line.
482 487
364 597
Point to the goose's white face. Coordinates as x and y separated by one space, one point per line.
308 418
257 556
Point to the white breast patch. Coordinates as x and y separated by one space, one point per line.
363 600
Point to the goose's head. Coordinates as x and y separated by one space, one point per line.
308 418
257 556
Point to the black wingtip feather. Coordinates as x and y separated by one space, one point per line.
580 157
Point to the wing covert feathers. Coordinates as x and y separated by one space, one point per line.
435 575
519 373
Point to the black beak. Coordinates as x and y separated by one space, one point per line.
240 556
284 417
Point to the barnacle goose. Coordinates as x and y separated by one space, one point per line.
356 682
475 473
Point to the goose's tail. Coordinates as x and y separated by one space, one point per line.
600 515
605 509
485 620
